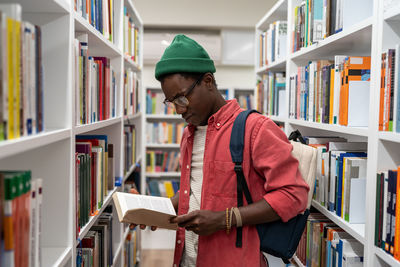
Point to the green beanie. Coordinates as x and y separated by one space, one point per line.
184 55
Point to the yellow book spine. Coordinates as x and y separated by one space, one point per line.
169 189
11 70
17 95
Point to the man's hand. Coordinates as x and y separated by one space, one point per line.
142 226
202 222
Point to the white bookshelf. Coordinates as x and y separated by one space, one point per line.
50 155
367 37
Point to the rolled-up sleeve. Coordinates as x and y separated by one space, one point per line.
287 192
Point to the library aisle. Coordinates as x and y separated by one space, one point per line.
82 117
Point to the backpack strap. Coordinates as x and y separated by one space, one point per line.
236 146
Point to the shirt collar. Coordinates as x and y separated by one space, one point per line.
219 118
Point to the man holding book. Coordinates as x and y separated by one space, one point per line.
206 203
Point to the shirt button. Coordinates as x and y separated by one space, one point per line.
187 166
178 241
185 192
218 124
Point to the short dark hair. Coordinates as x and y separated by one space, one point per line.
186 75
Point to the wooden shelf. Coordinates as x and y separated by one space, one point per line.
133 116
162 174
164 117
163 145
96 125
277 12
389 136
392 14
297 261
98 44
54 256
92 220
274 66
360 131
355 230
132 64
386 257
15 146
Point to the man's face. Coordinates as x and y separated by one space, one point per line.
198 105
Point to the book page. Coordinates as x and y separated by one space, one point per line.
133 201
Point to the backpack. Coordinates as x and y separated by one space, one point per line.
276 238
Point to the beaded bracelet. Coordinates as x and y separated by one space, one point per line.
228 227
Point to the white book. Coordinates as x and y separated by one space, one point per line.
354 191
311 91
325 158
161 187
143 209
3 71
31 119
358 107
77 82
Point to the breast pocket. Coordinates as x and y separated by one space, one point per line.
223 178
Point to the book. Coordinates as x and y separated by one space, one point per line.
142 209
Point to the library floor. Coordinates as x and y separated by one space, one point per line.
157 257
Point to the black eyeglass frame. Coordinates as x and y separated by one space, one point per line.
188 92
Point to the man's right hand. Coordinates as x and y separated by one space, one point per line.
142 226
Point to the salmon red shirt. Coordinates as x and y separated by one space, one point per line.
271 173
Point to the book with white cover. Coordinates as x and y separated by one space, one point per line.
147 210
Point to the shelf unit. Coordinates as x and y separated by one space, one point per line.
50 155
369 36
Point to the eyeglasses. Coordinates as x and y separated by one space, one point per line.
182 100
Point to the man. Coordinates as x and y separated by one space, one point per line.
207 235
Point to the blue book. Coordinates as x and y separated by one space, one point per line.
340 177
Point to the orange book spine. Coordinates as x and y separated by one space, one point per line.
332 85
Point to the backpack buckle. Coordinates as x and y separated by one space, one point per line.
238 167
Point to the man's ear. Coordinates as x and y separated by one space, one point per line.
209 81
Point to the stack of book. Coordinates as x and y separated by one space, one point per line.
271 92
21 77
273 43
20 219
164 133
167 188
131 92
162 161
131 37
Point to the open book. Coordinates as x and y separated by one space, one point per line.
142 209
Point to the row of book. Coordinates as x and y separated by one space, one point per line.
131 92
315 20
164 133
325 244
162 188
341 176
389 104
96 248
95 84
273 43
162 161
129 147
334 92
94 175
20 219
131 249
155 105
387 212
99 13
131 37
245 100
21 75
271 93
